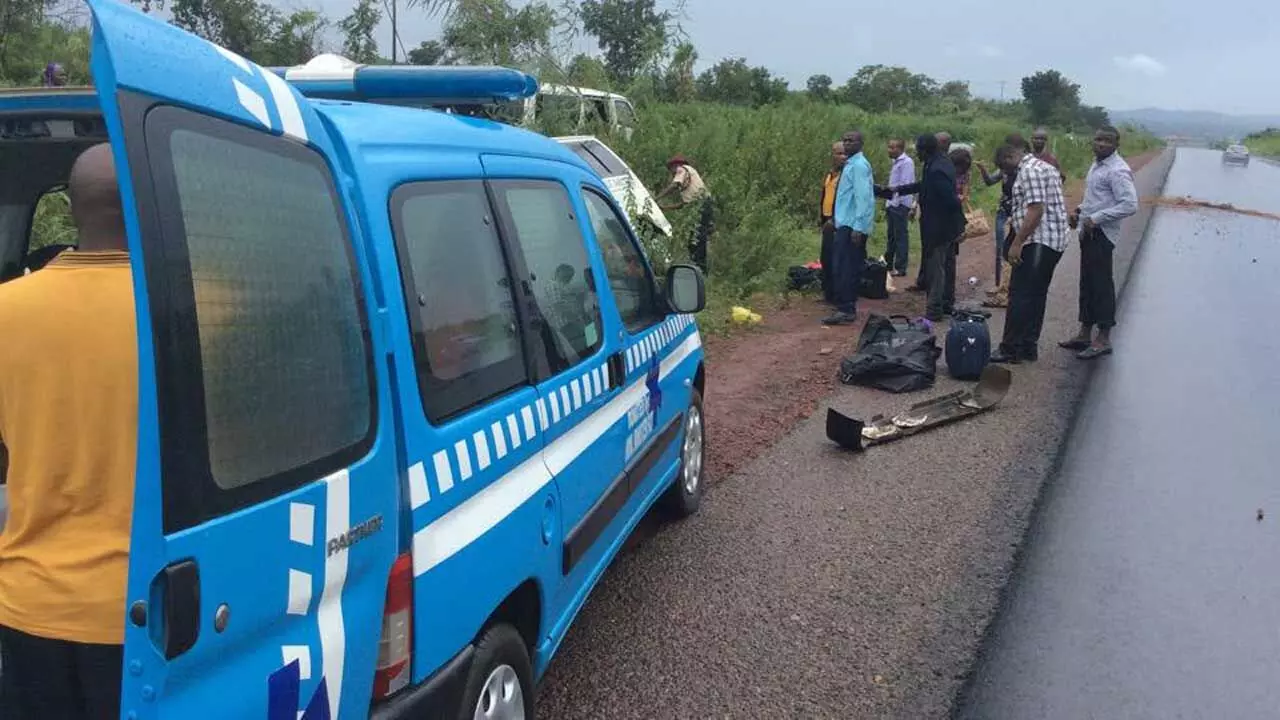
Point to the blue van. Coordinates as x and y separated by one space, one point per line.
407 381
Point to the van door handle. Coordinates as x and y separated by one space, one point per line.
617 371
175 592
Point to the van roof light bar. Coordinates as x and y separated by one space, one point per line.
337 78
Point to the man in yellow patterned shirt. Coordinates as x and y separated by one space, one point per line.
68 420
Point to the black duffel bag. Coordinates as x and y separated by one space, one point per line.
895 354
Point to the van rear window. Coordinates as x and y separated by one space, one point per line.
266 370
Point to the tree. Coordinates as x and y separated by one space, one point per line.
956 91
492 32
428 52
237 25
1050 96
632 34
879 88
587 71
358 28
1094 116
678 83
819 87
733 81
296 39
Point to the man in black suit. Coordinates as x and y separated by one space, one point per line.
941 223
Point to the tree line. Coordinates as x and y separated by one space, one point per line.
643 51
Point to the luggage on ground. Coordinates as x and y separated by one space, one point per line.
875 280
968 346
895 354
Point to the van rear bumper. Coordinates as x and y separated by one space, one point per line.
438 697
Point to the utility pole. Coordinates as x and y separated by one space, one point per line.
395 37
1002 82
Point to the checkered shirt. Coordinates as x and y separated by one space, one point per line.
1040 182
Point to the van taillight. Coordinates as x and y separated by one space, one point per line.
395 650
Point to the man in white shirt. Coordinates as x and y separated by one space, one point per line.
1109 198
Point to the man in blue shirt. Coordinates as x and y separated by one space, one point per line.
854 213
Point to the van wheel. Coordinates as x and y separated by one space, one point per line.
684 496
500 683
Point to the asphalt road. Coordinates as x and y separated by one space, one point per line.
1148 588
817 583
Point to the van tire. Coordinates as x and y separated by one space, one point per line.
684 497
500 655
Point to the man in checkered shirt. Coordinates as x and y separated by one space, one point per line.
1039 238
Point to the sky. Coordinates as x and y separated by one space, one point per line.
1174 54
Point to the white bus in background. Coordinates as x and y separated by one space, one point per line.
580 107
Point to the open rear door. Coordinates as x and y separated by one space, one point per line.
265 519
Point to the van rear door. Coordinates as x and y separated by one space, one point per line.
265 521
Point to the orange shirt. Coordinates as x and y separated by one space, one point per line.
829 193
69 417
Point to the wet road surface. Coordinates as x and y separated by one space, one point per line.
821 584
1149 585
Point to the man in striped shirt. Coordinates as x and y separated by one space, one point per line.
1040 237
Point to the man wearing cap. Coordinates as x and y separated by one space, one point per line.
686 184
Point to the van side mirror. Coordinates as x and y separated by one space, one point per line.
686 290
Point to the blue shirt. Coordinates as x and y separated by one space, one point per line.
855 197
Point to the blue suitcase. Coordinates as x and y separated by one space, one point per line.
968 346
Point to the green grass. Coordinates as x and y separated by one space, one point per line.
1264 143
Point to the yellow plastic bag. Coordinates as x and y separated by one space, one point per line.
743 316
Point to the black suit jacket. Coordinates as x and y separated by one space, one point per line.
941 214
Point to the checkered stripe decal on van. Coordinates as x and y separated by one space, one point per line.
471 455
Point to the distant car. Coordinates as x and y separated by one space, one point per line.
1237 154
625 185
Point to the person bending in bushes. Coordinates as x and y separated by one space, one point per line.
687 186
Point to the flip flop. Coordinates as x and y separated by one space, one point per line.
1092 352
1074 344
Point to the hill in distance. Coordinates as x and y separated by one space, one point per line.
1195 123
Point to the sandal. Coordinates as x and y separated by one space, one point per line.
1093 351
1074 344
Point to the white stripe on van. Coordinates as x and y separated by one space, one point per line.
542 414
514 431
480 513
299 592
302 523
464 460
526 414
444 474
482 449
418 492
333 634
286 105
499 442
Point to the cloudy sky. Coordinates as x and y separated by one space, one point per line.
1177 54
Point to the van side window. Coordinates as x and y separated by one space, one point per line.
265 373
626 114
629 279
458 294
564 302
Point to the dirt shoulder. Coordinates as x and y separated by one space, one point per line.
763 381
